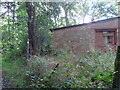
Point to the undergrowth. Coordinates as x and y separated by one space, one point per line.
14 73
64 70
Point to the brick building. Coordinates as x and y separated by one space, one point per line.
94 36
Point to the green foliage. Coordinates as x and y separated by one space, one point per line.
44 39
37 65
92 70
72 72
12 72
76 73
14 34
104 9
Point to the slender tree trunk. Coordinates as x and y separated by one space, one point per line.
84 18
8 7
66 14
66 18
13 17
116 80
33 46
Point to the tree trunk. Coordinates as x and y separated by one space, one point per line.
66 18
116 79
66 14
33 46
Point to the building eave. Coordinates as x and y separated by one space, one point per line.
99 21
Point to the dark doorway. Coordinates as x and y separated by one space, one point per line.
105 39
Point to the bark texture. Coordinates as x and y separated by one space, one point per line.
116 80
33 46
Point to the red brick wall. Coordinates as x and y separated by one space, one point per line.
80 38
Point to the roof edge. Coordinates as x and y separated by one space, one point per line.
99 21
